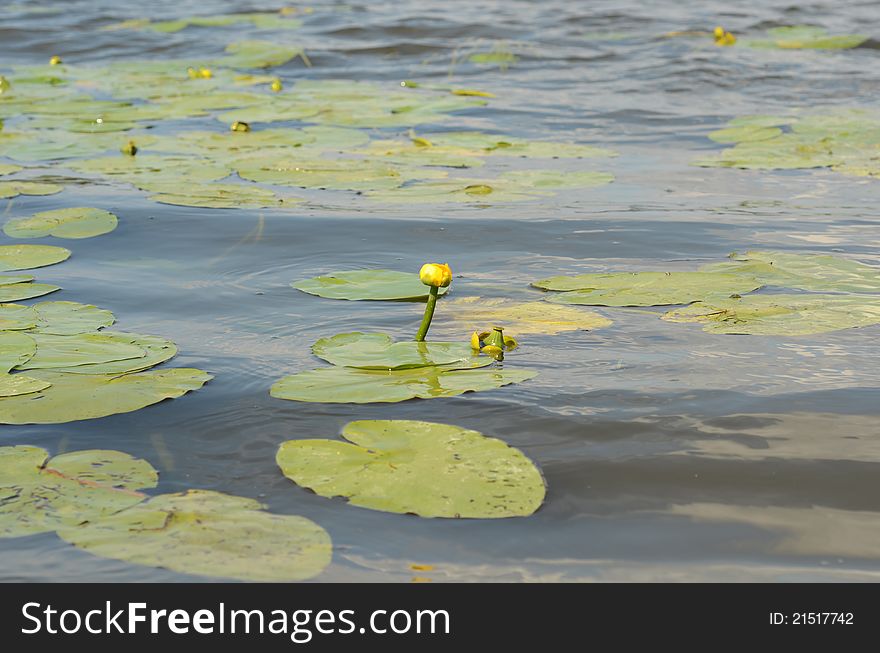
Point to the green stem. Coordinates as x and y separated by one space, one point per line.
429 314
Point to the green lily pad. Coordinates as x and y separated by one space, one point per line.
13 385
37 496
13 279
64 318
457 190
9 168
551 179
367 285
500 145
157 350
209 534
27 257
216 196
816 272
377 351
744 133
81 349
780 315
258 20
348 385
18 291
501 59
81 222
421 468
805 37
519 318
644 288
88 396
15 317
259 54
10 189
15 349
146 169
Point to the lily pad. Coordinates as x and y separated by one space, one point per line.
80 222
216 196
65 318
9 168
10 189
37 496
377 351
209 534
27 257
644 288
805 37
259 54
780 315
15 349
421 468
344 385
157 350
456 190
816 272
18 291
81 349
14 317
12 385
367 285
518 318
87 396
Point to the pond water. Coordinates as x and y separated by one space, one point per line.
669 453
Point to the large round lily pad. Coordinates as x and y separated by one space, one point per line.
367 285
518 318
26 257
348 385
18 291
80 349
780 315
423 468
66 318
379 352
644 288
156 350
87 396
80 222
209 534
817 272
37 496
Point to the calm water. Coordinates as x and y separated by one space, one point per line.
670 454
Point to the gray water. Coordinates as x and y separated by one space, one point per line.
669 453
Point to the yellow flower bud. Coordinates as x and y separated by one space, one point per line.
239 126
438 275
276 85
54 61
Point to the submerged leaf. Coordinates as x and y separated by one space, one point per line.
38 496
81 222
423 468
209 534
644 288
343 385
780 315
475 313
378 351
817 272
367 285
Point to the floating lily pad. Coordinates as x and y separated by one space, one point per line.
259 54
38 496
14 317
644 288
145 169
367 285
744 133
18 291
216 196
81 349
156 349
817 272
9 168
12 279
805 37
467 191
378 351
15 188
12 385
518 318
27 257
15 349
542 179
344 385
501 145
87 396
64 318
422 468
209 534
81 222
780 315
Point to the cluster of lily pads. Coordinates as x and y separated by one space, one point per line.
836 293
58 362
847 141
100 122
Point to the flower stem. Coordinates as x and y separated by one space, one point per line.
429 314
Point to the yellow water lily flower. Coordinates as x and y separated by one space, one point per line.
723 37
438 275
276 85
54 61
239 126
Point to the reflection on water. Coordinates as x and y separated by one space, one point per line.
669 453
